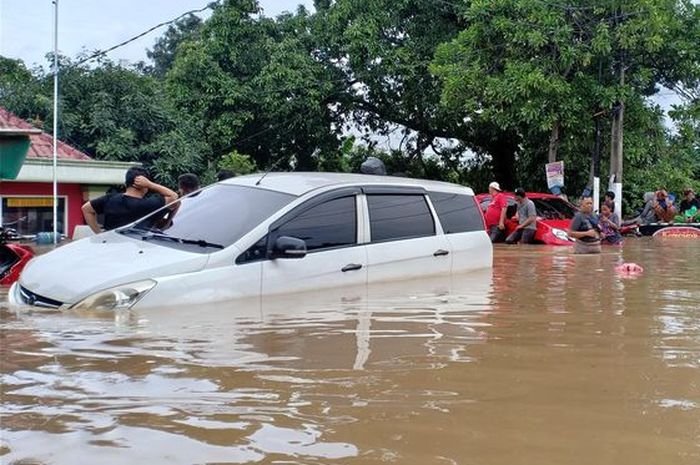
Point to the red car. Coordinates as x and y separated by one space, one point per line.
13 257
554 216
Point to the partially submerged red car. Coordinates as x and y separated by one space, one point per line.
554 216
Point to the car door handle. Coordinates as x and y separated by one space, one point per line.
351 267
440 253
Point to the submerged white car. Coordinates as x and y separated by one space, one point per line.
253 236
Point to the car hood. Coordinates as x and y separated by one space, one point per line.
77 270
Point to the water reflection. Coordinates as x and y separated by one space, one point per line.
551 359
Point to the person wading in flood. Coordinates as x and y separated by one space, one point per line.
122 209
527 220
583 228
495 215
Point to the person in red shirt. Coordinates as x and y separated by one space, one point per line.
495 215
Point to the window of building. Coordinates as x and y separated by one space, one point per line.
31 215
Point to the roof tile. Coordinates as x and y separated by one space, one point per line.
41 144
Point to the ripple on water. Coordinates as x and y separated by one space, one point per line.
554 355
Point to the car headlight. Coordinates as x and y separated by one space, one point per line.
560 234
117 297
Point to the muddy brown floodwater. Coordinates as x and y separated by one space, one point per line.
550 359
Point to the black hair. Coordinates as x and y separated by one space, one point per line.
188 182
610 194
132 173
224 174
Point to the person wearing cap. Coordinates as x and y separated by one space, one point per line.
495 215
690 207
527 220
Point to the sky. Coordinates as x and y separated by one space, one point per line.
26 26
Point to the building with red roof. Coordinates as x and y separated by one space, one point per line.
26 203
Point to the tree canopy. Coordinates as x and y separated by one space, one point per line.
466 90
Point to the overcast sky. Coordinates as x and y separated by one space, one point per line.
26 26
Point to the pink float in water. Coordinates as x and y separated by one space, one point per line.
629 269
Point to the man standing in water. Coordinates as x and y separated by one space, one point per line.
495 215
583 228
527 220
122 209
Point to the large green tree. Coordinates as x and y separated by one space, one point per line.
255 86
468 90
108 111
384 48
542 69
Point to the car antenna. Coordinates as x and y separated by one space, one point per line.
274 165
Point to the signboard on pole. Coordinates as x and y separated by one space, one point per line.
555 176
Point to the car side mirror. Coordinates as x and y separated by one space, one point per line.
288 247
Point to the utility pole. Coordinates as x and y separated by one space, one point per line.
616 146
596 149
616 153
55 123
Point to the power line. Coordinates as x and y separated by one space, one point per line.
138 36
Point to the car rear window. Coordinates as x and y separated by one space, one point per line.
399 216
554 209
458 213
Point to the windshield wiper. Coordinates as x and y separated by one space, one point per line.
202 243
159 235
134 229
199 242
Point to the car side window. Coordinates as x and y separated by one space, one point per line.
330 224
457 212
399 216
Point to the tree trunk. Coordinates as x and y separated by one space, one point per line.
502 152
554 142
616 154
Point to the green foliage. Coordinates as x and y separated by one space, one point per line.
165 49
474 89
237 163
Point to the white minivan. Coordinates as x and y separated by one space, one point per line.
256 235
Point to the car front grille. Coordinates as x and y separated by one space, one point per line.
30 298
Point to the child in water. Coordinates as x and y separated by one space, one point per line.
609 224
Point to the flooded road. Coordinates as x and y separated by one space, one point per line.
551 359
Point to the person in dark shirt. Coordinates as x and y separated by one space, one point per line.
187 183
690 207
584 228
122 209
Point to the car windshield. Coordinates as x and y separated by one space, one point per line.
554 209
210 219
485 201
